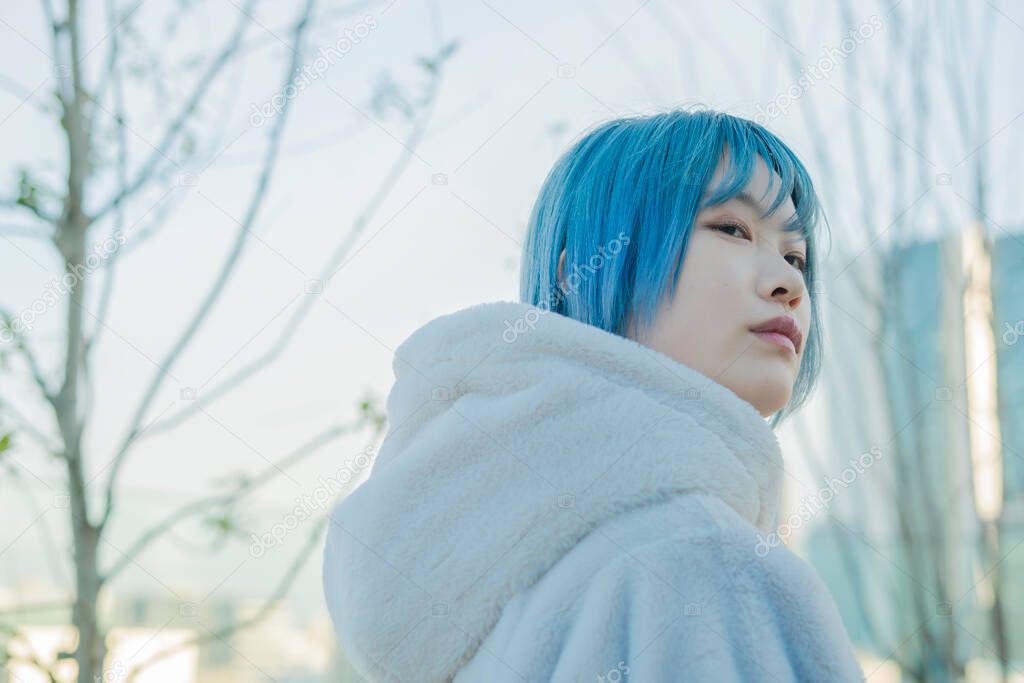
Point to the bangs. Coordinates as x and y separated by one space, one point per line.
742 146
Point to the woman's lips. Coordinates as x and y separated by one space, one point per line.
777 338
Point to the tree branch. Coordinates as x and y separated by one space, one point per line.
24 426
171 134
266 608
228 268
29 659
35 210
330 268
113 76
46 535
26 353
244 488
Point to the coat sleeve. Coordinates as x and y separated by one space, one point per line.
706 609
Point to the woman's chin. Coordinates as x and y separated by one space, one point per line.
768 392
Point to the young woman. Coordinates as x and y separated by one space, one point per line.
583 486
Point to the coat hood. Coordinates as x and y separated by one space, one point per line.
514 432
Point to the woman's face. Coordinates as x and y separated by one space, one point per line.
739 271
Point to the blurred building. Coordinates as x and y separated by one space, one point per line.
273 643
187 642
917 542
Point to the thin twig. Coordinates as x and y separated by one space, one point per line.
170 135
244 488
219 286
329 269
266 608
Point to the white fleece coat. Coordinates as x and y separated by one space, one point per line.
553 502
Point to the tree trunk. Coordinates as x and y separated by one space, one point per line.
91 648
90 651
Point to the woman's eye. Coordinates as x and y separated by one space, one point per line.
801 263
730 229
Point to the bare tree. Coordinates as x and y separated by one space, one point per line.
926 96
68 217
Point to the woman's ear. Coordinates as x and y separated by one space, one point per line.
561 268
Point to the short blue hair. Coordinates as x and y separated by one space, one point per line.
622 201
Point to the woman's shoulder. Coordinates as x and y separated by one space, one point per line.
683 585
715 556
695 540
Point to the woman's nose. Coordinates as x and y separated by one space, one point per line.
785 283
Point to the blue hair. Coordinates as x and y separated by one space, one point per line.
622 201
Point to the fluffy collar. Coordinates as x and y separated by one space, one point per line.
514 432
